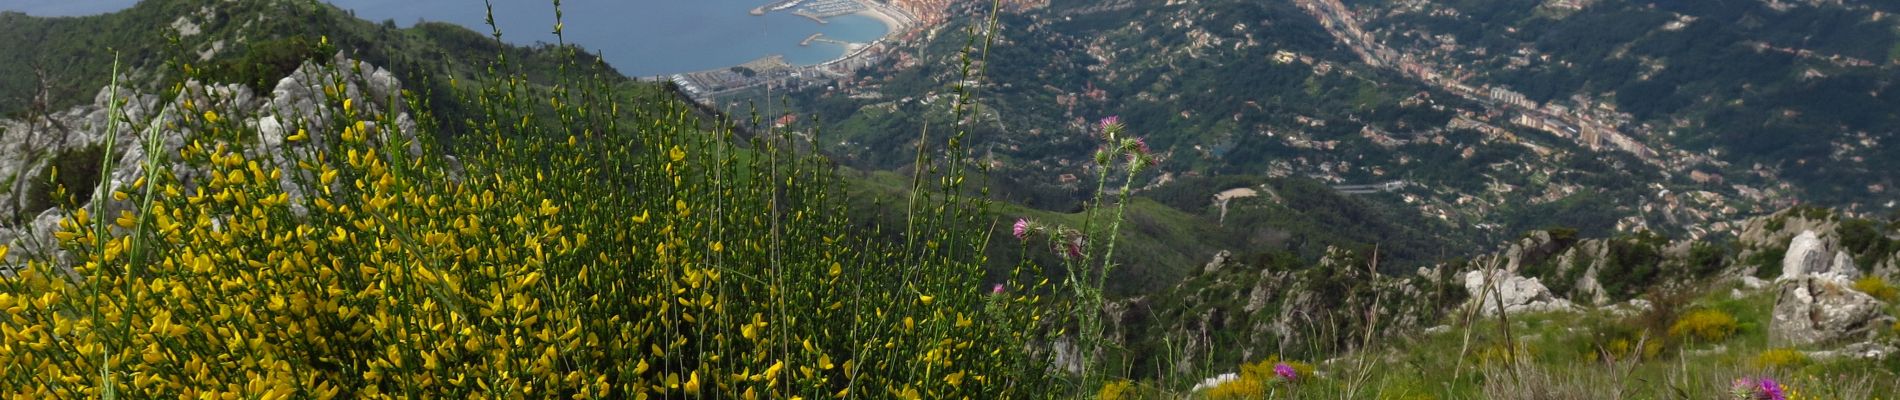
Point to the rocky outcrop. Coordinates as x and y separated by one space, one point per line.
1506 292
1535 247
29 148
1589 255
1888 268
1215 264
1248 311
307 99
1263 290
1780 227
1821 309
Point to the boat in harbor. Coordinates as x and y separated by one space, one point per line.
786 5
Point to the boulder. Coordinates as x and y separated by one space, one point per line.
1814 310
1514 294
1810 255
1806 254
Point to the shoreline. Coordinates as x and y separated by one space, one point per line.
871 9
695 82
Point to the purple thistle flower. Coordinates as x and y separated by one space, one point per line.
1770 390
997 289
1110 121
1021 229
1141 146
1285 372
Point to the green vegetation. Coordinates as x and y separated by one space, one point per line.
1226 108
550 229
1582 354
601 245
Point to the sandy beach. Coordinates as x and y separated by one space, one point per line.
875 11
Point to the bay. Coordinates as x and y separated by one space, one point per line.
639 38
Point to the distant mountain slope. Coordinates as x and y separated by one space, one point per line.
1242 88
1770 92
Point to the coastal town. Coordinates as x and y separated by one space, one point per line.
775 71
1594 124
901 18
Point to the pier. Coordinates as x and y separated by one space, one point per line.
809 39
814 17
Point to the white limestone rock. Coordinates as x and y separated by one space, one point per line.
1814 310
1513 294
1806 254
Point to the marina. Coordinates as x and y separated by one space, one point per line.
832 8
776 71
780 5
816 10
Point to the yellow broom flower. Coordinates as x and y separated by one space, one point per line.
692 383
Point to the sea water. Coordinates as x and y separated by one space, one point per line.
638 37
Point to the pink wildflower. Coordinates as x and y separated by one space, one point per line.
1285 372
998 289
1111 121
1021 229
1140 154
